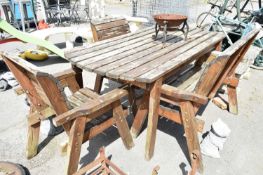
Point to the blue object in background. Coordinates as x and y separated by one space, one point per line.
27 8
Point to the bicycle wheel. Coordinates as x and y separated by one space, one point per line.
204 20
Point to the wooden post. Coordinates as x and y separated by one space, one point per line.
193 145
154 104
32 140
98 83
140 115
122 125
75 142
232 99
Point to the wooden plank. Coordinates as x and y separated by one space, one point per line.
171 92
107 43
220 103
210 75
89 108
21 74
154 103
160 59
234 60
32 140
89 93
98 83
122 125
98 129
81 97
109 26
142 54
132 54
179 60
113 32
84 59
188 115
140 116
170 114
232 99
75 142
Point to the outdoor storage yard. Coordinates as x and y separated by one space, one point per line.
241 153
170 79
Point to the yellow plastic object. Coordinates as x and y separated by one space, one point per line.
36 55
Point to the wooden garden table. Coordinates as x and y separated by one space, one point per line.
139 60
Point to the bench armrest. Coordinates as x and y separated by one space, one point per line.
173 93
64 74
90 107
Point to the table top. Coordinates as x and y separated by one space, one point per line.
138 57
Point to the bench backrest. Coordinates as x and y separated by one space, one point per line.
109 28
42 89
224 65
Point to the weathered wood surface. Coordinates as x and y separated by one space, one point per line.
138 57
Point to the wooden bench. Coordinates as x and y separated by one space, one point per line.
47 97
196 85
105 29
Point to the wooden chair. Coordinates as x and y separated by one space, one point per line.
105 29
195 86
83 106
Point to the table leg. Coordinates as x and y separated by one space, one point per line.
154 103
140 115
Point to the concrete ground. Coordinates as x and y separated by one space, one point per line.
241 155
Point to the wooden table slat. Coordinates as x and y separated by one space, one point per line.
143 39
124 51
118 72
159 71
138 53
105 43
185 46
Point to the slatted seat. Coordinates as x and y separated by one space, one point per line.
194 87
80 114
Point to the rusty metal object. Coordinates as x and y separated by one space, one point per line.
9 168
170 22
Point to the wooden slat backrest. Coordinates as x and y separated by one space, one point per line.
42 88
25 75
236 52
210 75
109 28
223 65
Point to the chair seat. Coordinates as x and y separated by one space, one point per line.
82 96
187 79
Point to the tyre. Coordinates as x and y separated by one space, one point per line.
14 169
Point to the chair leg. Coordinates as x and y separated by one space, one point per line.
98 83
75 142
122 125
232 99
140 116
188 115
32 140
132 99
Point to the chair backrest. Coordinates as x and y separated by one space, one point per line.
224 65
42 89
109 28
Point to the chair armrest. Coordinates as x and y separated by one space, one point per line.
64 74
173 93
90 107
